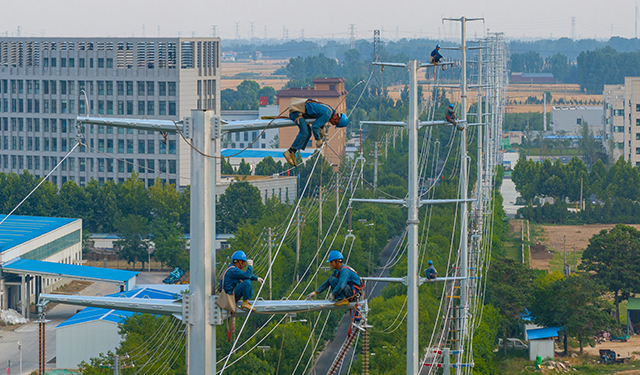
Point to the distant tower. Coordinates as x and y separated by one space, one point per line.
302 34
573 28
252 30
214 31
352 36
397 32
265 32
376 45
237 30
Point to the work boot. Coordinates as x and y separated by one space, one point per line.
460 127
322 131
342 302
443 68
290 157
319 143
247 306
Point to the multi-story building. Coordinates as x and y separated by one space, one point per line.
619 136
570 119
46 82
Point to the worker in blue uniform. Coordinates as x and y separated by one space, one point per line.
344 281
451 118
323 113
237 281
435 56
432 274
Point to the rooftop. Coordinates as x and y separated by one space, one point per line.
17 230
72 271
90 314
543 333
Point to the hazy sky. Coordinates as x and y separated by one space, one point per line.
318 19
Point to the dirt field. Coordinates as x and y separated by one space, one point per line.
623 349
521 92
553 238
261 72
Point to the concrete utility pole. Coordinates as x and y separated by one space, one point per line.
375 167
544 111
297 242
270 261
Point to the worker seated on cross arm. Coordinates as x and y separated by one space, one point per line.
323 113
435 56
432 274
451 117
344 281
237 281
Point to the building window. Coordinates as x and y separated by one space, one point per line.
140 147
172 166
172 147
618 112
172 108
162 88
129 87
140 88
618 129
150 146
150 108
129 146
100 62
141 168
129 165
150 88
141 110
162 165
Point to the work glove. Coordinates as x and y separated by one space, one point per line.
250 262
260 280
318 143
331 298
311 295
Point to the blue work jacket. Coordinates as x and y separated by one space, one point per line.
346 276
436 55
321 112
235 276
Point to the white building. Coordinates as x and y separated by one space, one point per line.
541 342
43 82
622 120
245 139
76 337
39 254
569 119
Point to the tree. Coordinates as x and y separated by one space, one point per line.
241 201
614 259
509 289
226 167
134 232
170 244
244 168
268 167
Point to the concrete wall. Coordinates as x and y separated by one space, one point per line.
569 119
543 348
80 342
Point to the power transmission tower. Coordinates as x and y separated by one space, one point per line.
265 32
237 30
376 45
397 32
302 34
573 28
352 36
252 30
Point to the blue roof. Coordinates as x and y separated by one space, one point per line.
41 267
17 230
89 314
543 333
259 153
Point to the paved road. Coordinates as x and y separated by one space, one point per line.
28 334
325 360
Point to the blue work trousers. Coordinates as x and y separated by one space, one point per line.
244 290
346 293
304 135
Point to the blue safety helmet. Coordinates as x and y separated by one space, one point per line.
344 121
451 106
335 255
239 255
430 262
437 46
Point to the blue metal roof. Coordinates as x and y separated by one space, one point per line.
17 230
89 314
40 267
259 153
543 333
